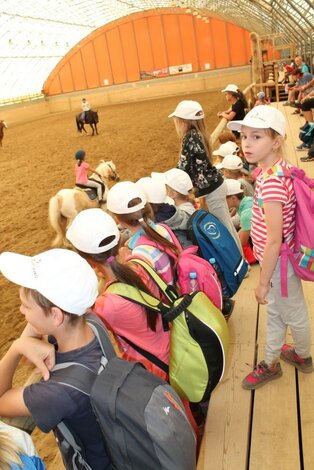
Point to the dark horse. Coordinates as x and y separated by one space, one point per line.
91 118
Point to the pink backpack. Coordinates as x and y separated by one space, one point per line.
302 257
187 262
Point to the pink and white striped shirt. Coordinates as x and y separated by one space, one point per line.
272 186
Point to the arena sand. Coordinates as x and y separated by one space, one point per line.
36 160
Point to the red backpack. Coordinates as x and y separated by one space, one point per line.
188 261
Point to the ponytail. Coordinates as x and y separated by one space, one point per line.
242 98
142 217
123 273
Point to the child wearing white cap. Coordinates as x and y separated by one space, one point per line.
128 203
228 148
273 220
57 289
238 102
174 216
232 167
196 160
95 235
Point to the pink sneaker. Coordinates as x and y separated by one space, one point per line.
261 374
289 355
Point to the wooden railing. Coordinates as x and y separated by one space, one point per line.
249 94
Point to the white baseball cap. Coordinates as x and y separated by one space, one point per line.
232 88
154 189
176 179
233 187
232 162
179 181
62 276
188 109
93 231
121 194
261 117
228 148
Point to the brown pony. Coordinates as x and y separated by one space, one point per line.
2 126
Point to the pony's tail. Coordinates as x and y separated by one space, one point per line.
57 221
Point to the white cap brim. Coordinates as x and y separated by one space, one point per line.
18 269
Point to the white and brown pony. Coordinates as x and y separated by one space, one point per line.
67 203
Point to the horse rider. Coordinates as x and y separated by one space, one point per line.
85 107
82 168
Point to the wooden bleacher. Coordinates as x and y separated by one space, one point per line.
273 427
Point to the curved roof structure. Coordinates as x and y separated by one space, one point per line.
35 35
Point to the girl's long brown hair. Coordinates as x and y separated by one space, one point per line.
185 125
143 217
123 273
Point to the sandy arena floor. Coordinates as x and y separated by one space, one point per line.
36 160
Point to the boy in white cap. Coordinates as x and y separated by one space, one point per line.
164 207
57 289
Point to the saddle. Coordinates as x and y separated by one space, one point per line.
91 192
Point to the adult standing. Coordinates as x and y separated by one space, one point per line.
196 160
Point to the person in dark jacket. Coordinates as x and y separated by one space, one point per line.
196 160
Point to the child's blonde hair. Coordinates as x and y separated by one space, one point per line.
275 136
9 452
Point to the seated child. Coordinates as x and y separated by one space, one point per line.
261 99
232 167
175 214
243 206
228 148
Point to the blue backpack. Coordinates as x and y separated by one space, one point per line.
216 243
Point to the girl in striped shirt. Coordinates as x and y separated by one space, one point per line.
262 134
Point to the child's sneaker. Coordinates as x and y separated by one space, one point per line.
289 355
261 374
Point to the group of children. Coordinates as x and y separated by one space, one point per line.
59 286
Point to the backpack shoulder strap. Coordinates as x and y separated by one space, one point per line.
151 357
101 334
79 376
135 295
69 438
167 289
299 174
74 375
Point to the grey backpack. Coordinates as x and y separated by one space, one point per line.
141 417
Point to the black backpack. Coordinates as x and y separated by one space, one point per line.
141 417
